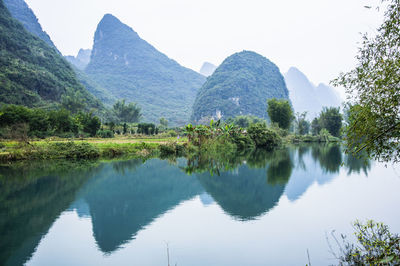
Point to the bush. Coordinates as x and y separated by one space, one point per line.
263 137
172 148
105 134
72 150
242 141
66 135
84 151
376 246
172 133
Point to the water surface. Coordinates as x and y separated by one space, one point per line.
259 208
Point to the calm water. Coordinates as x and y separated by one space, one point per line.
257 209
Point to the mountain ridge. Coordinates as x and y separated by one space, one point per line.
129 67
33 73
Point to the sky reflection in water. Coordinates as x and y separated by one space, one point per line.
255 209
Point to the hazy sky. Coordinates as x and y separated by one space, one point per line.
320 37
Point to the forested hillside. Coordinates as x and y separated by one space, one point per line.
21 11
31 72
241 85
129 67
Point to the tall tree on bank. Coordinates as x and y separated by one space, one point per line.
280 112
374 88
129 113
331 119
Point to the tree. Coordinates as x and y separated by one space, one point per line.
302 125
315 127
280 112
62 121
163 122
374 87
244 121
331 119
90 123
73 101
128 113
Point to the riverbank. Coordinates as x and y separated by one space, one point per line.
90 148
143 147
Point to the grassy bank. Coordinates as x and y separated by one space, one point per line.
122 146
91 148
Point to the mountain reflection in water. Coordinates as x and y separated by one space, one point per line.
124 197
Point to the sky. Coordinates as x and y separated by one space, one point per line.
320 37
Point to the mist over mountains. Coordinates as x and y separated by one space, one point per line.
207 69
81 60
306 97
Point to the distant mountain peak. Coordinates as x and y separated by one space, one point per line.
81 60
131 68
207 69
110 24
306 97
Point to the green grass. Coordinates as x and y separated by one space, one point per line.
92 148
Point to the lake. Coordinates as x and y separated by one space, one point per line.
258 208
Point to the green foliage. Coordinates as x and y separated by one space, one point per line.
21 11
90 124
331 119
374 88
31 72
62 121
72 150
280 112
172 133
242 84
129 67
244 121
376 246
163 122
302 126
315 127
171 148
105 134
147 128
263 136
41 123
128 113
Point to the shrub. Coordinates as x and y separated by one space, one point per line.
72 150
172 133
171 148
242 141
263 137
105 134
376 246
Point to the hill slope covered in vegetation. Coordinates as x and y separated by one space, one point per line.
21 11
241 85
32 73
129 67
